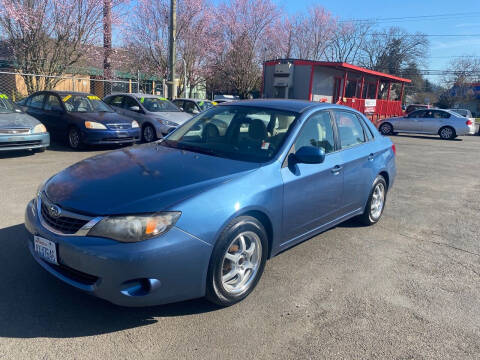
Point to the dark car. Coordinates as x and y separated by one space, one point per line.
80 119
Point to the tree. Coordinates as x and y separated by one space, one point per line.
49 37
392 50
347 41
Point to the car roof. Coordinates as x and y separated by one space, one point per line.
297 106
196 100
63 92
138 95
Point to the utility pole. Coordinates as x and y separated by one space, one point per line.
107 46
172 88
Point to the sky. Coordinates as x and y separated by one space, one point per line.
443 21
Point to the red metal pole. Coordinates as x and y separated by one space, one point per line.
361 87
388 91
345 78
310 97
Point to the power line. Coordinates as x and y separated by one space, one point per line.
430 35
433 17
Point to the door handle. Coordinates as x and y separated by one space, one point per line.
336 169
370 157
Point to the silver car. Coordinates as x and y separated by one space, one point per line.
447 124
156 115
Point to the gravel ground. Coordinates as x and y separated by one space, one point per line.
407 288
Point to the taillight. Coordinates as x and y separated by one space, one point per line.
469 122
394 149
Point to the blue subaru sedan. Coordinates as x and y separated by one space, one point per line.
80 119
199 212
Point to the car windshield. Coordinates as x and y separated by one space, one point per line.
204 105
85 103
6 105
236 132
154 104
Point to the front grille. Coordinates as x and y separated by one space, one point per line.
63 224
20 143
119 126
15 131
75 275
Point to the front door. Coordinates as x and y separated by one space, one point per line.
413 122
312 192
53 117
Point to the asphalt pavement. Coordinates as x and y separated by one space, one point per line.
406 288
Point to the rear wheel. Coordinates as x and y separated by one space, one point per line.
74 138
447 133
148 133
237 262
376 202
386 129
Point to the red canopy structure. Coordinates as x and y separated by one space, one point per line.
376 94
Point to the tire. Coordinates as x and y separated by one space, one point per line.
74 138
386 129
148 133
371 214
39 150
235 269
447 133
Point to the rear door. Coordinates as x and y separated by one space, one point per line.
35 107
358 154
54 116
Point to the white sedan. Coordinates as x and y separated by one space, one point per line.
445 123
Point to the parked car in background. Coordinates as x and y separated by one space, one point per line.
204 211
20 131
80 119
447 124
156 115
225 98
193 106
413 107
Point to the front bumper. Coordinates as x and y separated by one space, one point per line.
24 142
101 137
164 130
173 266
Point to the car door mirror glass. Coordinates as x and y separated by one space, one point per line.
310 155
195 111
135 108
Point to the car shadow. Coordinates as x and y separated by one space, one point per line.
35 304
15 154
429 137
86 149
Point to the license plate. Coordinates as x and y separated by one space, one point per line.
122 134
46 249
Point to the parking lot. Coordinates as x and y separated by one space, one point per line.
407 288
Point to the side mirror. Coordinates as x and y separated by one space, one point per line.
195 111
181 109
135 108
310 155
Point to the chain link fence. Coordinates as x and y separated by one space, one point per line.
18 85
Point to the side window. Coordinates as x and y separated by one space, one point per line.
129 102
368 131
416 114
52 103
317 132
189 106
115 101
441 114
350 131
36 101
178 103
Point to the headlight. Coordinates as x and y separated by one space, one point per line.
134 124
40 189
40 128
94 125
167 122
134 228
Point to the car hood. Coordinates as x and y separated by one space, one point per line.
14 120
140 179
101 117
178 117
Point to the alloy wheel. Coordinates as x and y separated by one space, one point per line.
148 134
241 262
378 201
74 138
446 133
386 129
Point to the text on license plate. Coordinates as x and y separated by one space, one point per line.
46 249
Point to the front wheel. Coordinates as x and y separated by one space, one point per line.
149 134
376 202
74 138
386 129
237 261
